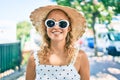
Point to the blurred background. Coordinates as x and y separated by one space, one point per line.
101 41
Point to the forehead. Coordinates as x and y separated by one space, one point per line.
58 14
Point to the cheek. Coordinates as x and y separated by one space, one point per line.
48 31
67 30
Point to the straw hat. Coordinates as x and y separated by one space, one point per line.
78 22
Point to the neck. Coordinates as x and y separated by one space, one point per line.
58 47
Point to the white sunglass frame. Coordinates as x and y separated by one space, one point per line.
56 23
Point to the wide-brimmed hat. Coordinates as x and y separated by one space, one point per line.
78 22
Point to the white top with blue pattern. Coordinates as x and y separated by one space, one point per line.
51 72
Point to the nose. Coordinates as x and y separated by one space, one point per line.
56 26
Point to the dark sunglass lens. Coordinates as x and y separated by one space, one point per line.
63 24
50 23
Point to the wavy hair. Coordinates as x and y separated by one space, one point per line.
45 45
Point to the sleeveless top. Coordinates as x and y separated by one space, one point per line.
51 72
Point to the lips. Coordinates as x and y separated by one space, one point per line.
56 32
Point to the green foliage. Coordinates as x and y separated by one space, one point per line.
23 29
63 2
101 9
94 11
115 4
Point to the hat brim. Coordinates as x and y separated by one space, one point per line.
78 22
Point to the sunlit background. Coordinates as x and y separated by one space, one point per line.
101 41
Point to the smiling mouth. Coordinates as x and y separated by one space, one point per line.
56 32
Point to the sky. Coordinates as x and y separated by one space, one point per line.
14 11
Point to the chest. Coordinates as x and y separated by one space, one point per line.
63 60
55 59
49 72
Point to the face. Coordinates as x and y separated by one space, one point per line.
56 33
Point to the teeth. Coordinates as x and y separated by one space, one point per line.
56 32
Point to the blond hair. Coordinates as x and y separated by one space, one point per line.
45 46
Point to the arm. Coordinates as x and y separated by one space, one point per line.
84 66
30 71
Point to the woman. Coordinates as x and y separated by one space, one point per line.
58 58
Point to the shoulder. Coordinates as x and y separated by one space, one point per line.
31 59
31 56
82 54
30 70
81 61
83 58
84 68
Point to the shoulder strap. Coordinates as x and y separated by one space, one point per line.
36 58
74 58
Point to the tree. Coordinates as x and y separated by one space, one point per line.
23 31
112 3
92 9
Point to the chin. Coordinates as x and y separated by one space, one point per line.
57 39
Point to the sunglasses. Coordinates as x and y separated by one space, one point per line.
51 23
